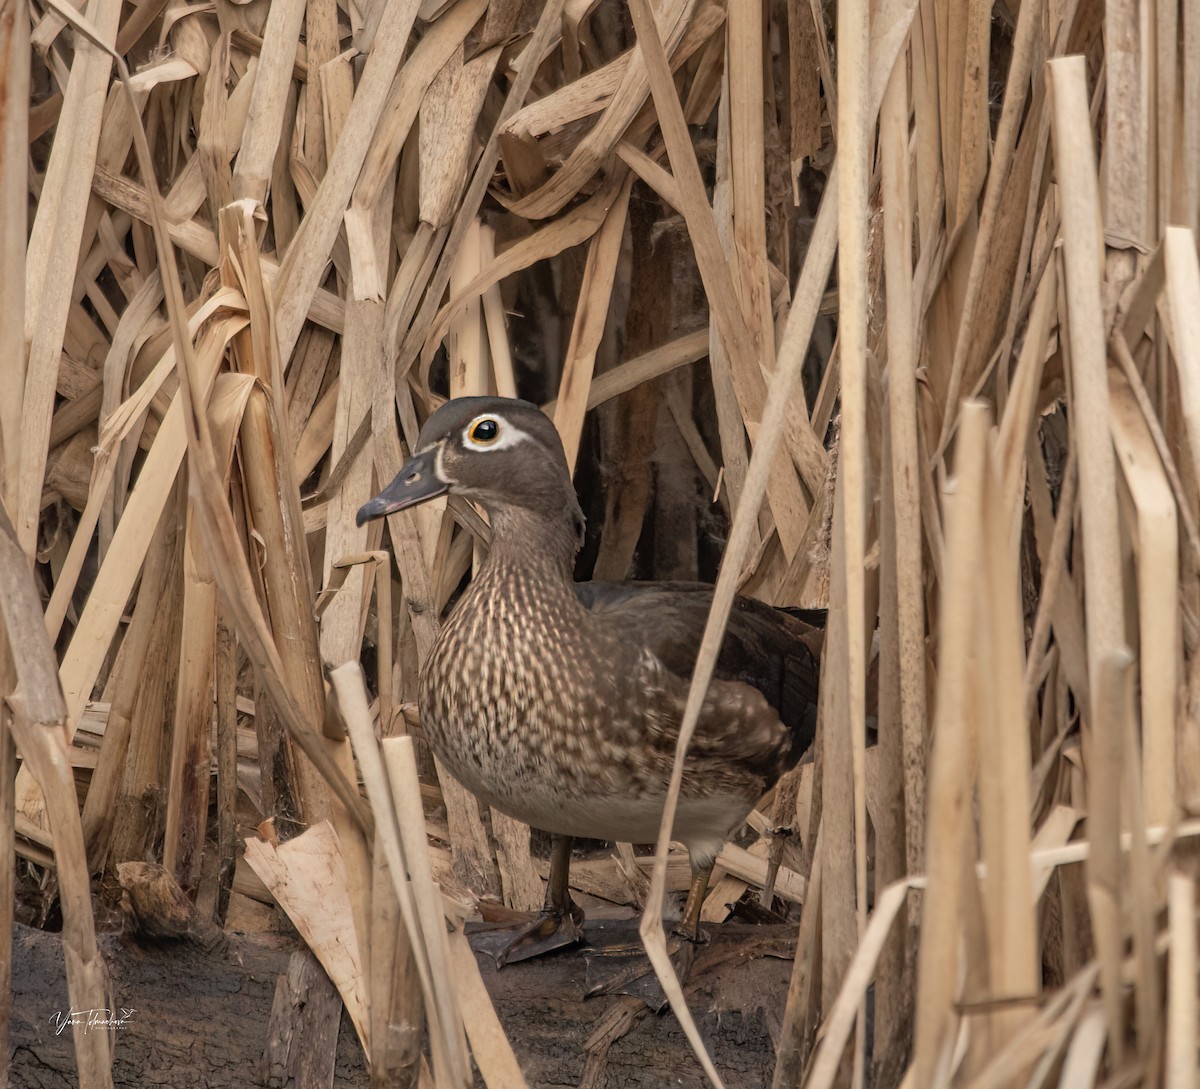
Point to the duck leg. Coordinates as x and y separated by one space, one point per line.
638 978
688 927
559 923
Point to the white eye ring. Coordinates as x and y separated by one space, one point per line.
506 435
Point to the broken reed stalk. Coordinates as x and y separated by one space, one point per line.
952 756
396 1036
1004 753
422 915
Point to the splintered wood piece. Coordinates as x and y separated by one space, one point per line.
160 910
302 1033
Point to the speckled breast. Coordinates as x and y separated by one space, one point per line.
512 709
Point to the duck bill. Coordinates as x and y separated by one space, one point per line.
415 483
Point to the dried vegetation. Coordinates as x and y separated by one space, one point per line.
297 223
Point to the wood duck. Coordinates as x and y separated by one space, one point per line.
559 703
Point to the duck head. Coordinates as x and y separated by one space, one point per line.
503 453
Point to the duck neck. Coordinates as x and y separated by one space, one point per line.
535 544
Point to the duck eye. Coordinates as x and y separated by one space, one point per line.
484 432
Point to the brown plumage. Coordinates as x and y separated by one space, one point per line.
560 703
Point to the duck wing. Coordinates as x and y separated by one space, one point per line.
774 651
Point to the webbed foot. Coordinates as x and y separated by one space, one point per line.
543 932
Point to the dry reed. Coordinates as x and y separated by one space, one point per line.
253 266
